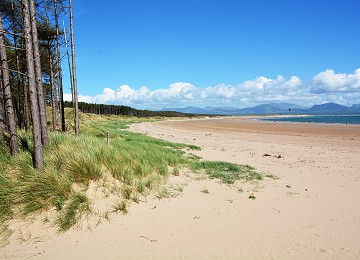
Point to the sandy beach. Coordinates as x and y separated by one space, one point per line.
312 211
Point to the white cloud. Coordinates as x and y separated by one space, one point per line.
255 85
330 82
218 92
180 91
324 87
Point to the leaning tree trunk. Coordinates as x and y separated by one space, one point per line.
10 113
76 105
38 74
34 106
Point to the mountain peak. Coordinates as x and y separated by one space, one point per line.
328 106
271 108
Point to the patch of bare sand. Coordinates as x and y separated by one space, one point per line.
311 212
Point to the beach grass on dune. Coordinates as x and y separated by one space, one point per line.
77 206
139 163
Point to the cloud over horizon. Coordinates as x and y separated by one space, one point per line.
330 82
326 86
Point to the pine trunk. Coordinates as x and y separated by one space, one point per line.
2 108
20 93
38 75
34 106
58 59
20 114
27 116
53 89
76 105
9 108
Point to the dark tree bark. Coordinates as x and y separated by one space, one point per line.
27 112
34 106
76 105
38 75
2 108
20 88
9 108
53 90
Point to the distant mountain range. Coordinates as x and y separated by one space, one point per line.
272 108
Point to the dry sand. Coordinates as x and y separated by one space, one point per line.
311 212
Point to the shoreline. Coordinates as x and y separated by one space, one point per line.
267 118
319 119
251 125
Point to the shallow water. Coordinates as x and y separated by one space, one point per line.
346 119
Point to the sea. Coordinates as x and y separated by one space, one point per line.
334 119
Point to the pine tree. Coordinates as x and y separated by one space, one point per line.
2 108
76 105
10 113
38 74
34 106
48 37
58 63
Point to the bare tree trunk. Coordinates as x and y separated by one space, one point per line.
51 65
27 116
38 74
76 105
19 103
2 108
53 90
58 59
34 106
10 113
20 93
69 65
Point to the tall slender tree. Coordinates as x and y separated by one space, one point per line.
2 108
69 66
38 74
10 113
53 90
49 45
26 104
76 105
15 26
58 63
34 106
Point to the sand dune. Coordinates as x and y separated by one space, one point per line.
311 212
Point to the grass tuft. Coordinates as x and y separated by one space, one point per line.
122 207
76 208
228 173
205 190
252 197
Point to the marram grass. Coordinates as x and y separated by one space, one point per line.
77 206
140 163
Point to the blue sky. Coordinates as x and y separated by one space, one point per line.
175 53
